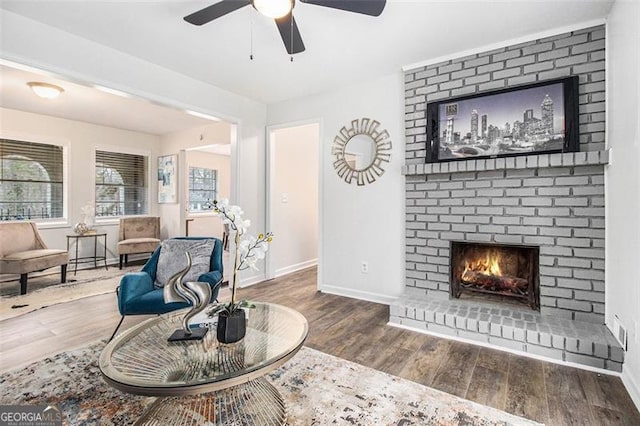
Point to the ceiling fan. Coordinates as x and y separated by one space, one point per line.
282 12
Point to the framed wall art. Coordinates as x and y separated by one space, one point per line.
531 119
168 179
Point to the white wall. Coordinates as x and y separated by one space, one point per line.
294 168
622 180
82 140
358 223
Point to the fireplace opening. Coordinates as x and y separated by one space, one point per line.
497 270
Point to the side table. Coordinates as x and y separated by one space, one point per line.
95 258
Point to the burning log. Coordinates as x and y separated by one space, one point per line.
495 283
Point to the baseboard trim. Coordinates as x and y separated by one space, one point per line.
502 348
253 280
632 387
295 268
358 294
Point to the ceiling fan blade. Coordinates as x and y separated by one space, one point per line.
365 7
215 11
290 36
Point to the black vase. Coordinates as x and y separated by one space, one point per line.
232 328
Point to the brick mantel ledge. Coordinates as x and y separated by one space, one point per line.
568 159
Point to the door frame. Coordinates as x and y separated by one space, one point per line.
269 195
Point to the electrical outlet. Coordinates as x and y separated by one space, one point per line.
284 197
364 267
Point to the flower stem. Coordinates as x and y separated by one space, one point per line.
235 269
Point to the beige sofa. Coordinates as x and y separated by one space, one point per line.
140 234
23 251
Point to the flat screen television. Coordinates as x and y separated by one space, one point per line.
524 120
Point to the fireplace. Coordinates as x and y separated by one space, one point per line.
500 270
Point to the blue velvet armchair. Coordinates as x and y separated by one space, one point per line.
137 294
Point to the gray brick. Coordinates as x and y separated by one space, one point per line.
573 222
495 330
508 239
476 62
572 344
496 84
574 242
449 68
506 55
538 221
617 354
589 296
441 329
545 352
506 343
511 72
557 341
522 230
520 211
592 317
557 191
493 229
538 240
574 262
519 334
588 47
590 211
584 359
553 54
539 201
574 283
539 66
613 366
601 350
554 211
568 41
574 305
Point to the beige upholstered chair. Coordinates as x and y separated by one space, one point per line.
138 235
23 251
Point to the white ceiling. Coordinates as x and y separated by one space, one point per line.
342 47
88 104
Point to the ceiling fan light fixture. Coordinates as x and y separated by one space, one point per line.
45 90
273 8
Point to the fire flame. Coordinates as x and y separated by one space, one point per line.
488 264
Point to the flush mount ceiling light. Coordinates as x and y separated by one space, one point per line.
45 90
273 8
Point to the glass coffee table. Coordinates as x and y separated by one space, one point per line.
205 382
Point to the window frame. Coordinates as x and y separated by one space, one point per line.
199 213
109 220
63 220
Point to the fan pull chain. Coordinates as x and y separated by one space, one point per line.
292 48
251 32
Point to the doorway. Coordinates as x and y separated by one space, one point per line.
293 188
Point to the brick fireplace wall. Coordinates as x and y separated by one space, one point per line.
553 201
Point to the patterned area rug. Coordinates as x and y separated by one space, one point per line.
46 290
319 389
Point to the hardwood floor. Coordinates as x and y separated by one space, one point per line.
356 330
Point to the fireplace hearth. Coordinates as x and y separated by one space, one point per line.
508 272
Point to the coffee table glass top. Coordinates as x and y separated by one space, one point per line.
141 361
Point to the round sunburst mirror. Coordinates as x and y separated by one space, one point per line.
360 151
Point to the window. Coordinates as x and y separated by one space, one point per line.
203 185
31 180
121 184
